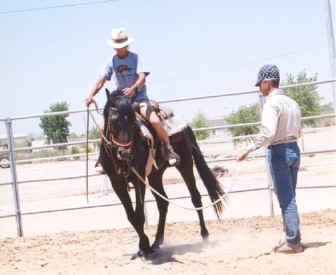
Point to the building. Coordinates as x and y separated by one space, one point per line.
218 133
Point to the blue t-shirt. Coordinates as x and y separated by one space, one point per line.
126 71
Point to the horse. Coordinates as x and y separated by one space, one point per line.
124 149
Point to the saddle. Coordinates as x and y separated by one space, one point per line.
172 126
166 115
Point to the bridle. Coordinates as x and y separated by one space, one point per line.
115 142
121 151
109 141
109 133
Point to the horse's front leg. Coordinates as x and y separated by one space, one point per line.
134 217
155 181
144 245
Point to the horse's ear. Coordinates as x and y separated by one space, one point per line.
107 93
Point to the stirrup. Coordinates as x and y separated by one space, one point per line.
172 157
172 161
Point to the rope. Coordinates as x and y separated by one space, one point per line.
221 198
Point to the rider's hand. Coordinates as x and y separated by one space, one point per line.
88 101
242 156
129 91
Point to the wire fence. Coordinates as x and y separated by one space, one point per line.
13 162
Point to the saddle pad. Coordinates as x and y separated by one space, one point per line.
173 126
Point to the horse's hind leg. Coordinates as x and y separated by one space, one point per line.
186 170
155 181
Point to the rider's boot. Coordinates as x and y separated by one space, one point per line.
170 155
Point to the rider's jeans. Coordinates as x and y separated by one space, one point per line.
284 162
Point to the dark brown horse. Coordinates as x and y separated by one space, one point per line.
124 148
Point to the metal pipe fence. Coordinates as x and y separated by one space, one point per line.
209 161
55 158
23 213
195 130
11 150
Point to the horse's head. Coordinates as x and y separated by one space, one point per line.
120 124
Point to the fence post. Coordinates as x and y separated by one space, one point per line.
302 142
15 189
269 179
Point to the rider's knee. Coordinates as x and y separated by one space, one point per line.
154 119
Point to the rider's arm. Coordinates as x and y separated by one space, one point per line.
136 86
141 75
140 81
99 84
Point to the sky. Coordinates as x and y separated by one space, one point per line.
191 47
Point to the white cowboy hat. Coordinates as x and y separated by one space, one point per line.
119 39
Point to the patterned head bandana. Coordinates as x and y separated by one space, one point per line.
268 72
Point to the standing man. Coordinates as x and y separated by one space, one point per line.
280 129
130 77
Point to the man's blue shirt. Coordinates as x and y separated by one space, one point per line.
126 71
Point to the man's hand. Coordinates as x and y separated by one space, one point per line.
99 84
242 156
129 91
88 101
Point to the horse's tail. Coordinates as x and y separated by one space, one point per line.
213 187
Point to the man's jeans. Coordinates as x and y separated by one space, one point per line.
284 162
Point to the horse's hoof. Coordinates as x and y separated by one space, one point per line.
205 237
139 255
151 255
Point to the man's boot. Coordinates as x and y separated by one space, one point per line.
170 155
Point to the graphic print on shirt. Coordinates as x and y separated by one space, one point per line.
127 76
122 68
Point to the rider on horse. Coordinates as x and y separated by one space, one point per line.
130 78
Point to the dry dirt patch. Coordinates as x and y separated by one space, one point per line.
236 246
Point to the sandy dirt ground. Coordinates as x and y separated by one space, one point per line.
236 246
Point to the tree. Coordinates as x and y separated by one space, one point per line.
56 128
306 96
245 114
199 121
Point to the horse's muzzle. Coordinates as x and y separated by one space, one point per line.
124 154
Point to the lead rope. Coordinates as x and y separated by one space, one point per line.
223 198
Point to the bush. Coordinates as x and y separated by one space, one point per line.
199 121
74 150
245 114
